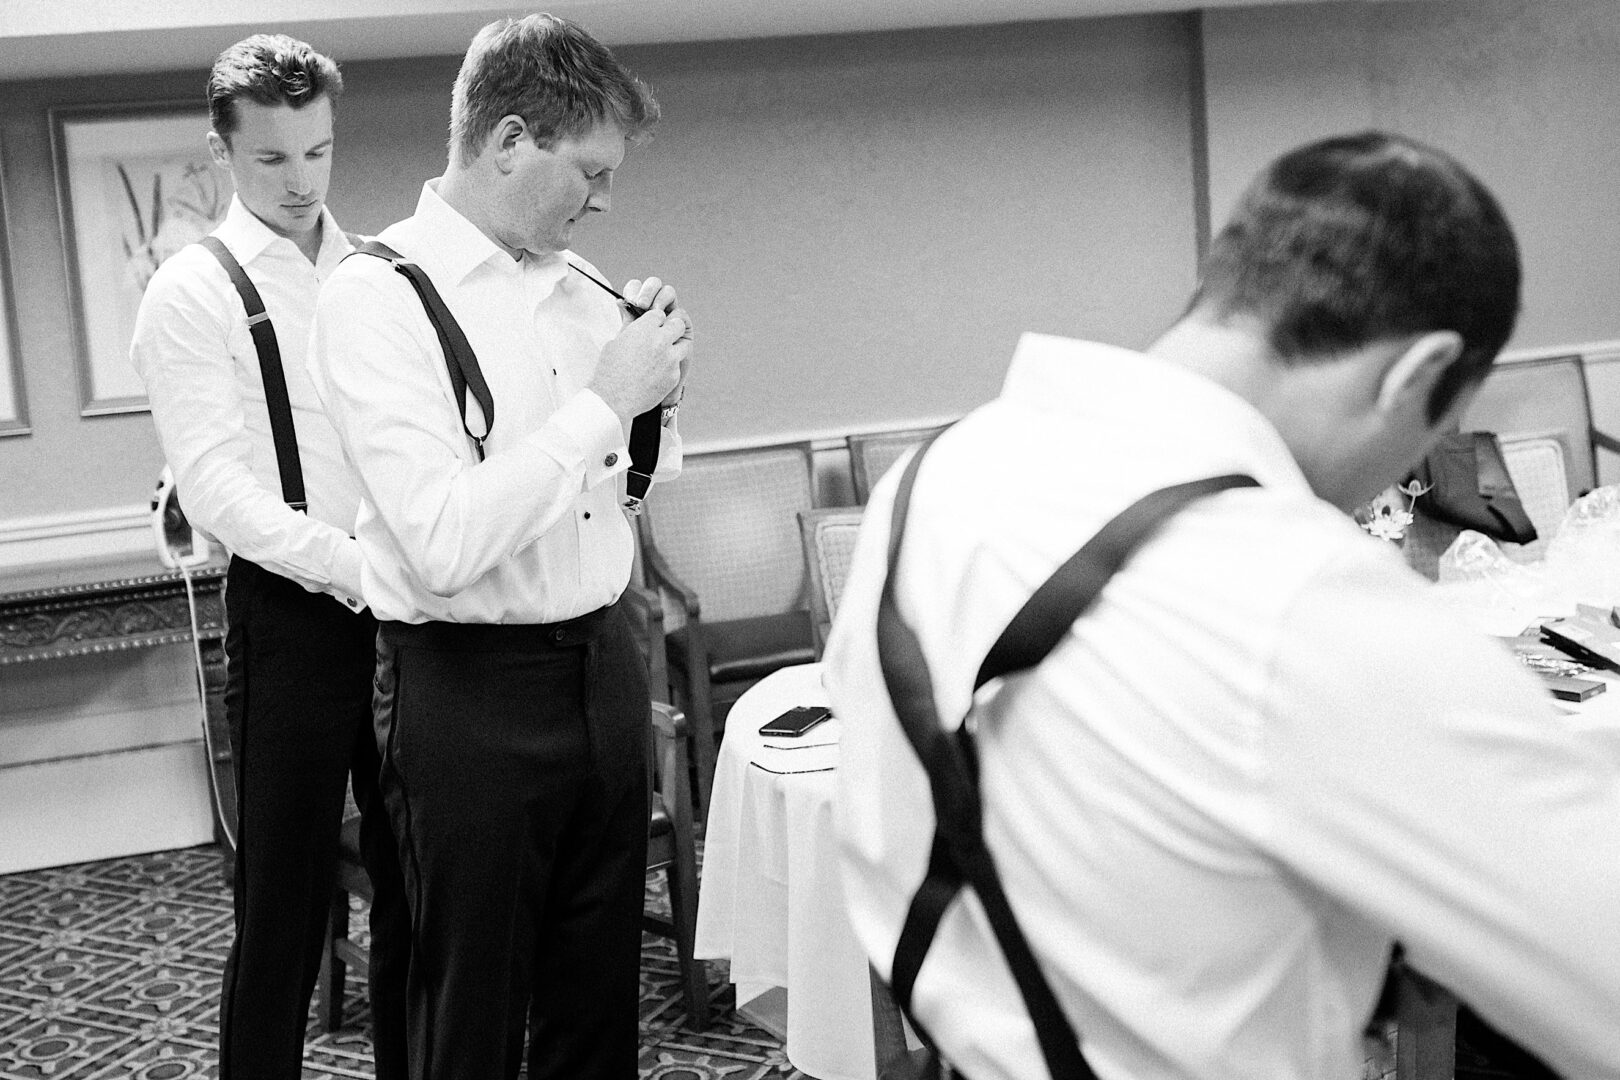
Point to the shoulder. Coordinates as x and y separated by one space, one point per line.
190 281
191 268
1364 626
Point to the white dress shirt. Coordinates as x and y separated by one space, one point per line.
194 351
1261 758
533 534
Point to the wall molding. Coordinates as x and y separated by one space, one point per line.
108 532
116 531
1594 352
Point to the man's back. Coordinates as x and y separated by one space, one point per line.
1226 791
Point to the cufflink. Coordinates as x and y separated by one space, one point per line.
611 460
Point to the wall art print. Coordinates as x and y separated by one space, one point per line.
135 184
13 403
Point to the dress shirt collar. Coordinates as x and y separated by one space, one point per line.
248 237
1123 389
459 247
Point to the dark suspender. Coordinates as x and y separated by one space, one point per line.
465 375
958 856
275 379
459 358
644 429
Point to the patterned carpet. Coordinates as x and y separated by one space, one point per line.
111 970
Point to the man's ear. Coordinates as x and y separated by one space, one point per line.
1415 370
220 149
509 133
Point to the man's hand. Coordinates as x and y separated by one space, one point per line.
643 366
646 364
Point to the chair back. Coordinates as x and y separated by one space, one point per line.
828 538
874 453
727 527
1544 399
1538 467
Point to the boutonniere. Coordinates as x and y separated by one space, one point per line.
1389 514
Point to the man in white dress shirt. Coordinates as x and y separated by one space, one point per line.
512 699
300 643
1264 756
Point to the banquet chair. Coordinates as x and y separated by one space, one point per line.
828 537
1541 413
720 547
671 850
1543 398
874 453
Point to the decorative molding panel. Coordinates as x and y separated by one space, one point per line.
111 533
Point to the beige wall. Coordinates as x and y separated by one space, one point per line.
1522 91
862 224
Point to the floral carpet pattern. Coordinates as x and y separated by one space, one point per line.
111 971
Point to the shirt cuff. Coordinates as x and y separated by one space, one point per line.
345 583
594 428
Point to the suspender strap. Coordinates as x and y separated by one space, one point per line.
958 855
459 359
645 431
276 401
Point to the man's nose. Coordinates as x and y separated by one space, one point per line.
297 180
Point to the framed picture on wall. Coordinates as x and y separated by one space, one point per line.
134 184
13 404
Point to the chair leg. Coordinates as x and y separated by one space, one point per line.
683 912
329 984
705 747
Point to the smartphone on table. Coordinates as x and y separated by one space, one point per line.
796 721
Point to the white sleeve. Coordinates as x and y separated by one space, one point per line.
180 350
1422 777
379 372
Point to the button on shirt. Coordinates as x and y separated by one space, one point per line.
533 534
194 351
1261 758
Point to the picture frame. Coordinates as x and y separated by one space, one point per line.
13 399
135 183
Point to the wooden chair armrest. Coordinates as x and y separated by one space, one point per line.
1604 441
645 611
669 722
659 572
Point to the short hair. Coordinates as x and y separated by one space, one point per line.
1368 237
550 72
268 69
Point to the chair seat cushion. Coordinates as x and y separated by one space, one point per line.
750 648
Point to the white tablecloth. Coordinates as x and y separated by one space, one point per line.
770 900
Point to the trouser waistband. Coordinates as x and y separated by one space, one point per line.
492 637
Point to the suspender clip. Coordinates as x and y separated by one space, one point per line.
301 507
255 320
636 485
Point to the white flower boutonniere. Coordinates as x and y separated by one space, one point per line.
1389 514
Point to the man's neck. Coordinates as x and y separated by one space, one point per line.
464 191
310 243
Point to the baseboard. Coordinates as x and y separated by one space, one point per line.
83 809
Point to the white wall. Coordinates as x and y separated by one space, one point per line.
1524 92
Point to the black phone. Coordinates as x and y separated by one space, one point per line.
796 721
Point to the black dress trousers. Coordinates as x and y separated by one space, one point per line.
298 698
515 773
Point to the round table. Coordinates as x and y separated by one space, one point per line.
771 901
